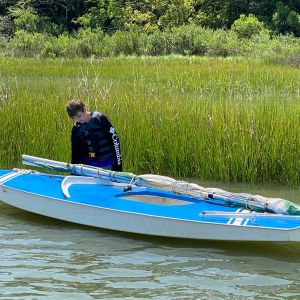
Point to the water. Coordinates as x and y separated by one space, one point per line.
42 258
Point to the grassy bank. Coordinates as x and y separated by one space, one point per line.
224 119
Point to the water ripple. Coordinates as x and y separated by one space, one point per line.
41 258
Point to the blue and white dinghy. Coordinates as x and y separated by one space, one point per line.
147 204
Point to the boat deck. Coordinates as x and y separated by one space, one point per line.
143 201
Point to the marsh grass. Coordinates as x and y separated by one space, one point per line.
223 119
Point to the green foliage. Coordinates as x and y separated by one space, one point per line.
184 40
6 26
89 41
286 20
30 21
136 20
159 43
178 12
60 12
26 20
90 19
26 43
3 41
62 46
285 51
122 43
190 40
85 43
291 59
236 8
104 14
212 14
223 44
247 26
66 16
263 9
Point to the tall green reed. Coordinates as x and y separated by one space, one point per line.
225 119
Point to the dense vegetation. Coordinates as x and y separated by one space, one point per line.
56 17
228 119
112 27
234 119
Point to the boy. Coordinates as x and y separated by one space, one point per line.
94 140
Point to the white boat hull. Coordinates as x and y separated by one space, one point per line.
141 223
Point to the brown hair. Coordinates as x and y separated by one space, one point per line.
74 106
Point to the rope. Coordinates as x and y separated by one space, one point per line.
131 183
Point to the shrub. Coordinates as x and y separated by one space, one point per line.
122 43
258 45
286 20
3 41
285 51
26 20
6 26
247 26
64 45
202 40
184 39
89 41
222 43
159 43
27 44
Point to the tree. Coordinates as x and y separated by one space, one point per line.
212 14
25 19
104 14
59 12
30 21
5 5
286 20
177 13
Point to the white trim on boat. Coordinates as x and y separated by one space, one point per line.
7 177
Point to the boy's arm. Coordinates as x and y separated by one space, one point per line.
114 140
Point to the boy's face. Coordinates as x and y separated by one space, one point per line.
82 116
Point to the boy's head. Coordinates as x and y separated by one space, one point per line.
76 110
74 107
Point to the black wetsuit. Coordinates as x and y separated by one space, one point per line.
96 143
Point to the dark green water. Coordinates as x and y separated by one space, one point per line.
42 258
